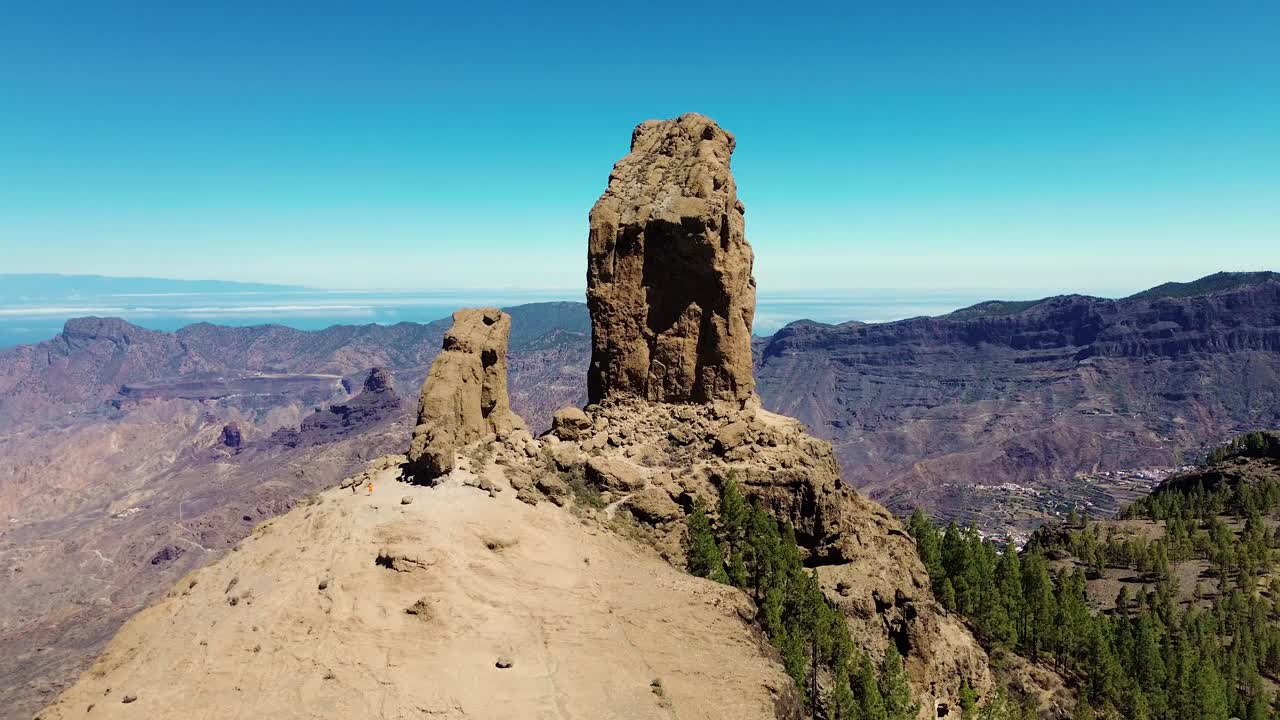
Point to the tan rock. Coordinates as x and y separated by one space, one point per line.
731 436
464 397
669 281
597 441
612 474
553 487
570 423
564 455
654 505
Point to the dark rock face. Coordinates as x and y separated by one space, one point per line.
377 403
379 381
231 436
1031 393
669 281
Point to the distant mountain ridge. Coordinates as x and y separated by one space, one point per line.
1217 282
88 363
1032 393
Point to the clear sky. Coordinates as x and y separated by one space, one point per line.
1064 146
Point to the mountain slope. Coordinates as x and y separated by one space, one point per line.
343 607
116 476
1216 282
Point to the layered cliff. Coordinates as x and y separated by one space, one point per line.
921 411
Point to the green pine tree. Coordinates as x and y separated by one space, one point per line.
734 516
947 595
968 702
867 689
701 549
894 687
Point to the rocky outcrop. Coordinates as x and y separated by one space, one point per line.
655 459
671 415
377 400
465 395
378 381
231 436
669 280
376 403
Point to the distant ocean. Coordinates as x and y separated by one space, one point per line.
31 317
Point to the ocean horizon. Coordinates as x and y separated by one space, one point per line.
31 317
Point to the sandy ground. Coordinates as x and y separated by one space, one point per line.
359 606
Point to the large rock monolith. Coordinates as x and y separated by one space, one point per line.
669 281
465 395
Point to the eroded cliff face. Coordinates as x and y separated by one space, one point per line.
937 413
669 279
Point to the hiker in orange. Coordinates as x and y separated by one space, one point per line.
370 488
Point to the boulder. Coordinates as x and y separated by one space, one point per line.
570 423
564 455
669 282
553 487
464 397
731 436
654 505
612 474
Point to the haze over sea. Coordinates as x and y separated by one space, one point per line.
34 308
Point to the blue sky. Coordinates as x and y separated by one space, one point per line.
1100 147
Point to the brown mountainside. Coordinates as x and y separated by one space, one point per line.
128 457
924 411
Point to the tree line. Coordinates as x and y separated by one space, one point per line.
1254 444
1151 657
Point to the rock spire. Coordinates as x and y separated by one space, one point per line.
465 395
669 281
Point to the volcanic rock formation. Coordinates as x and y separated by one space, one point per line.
671 415
669 279
465 395
505 583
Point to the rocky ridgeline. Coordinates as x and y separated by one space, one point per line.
674 414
